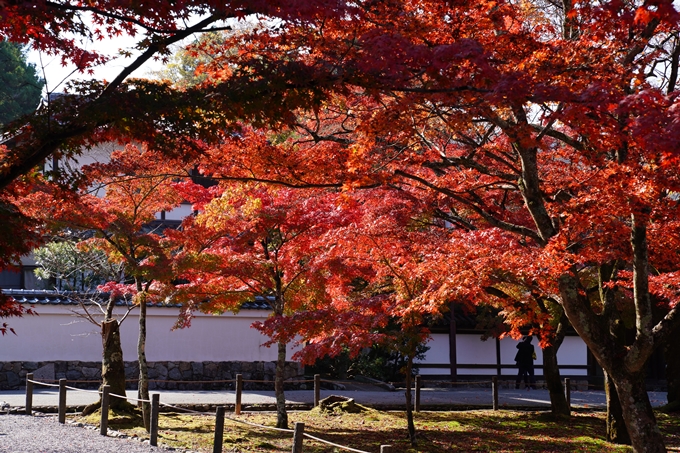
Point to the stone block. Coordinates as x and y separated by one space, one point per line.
162 371
91 373
13 380
174 374
210 369
74 374
45 372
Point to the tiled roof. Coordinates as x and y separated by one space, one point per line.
45 297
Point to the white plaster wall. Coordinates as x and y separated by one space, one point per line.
471 350
58 334
573 351
179 213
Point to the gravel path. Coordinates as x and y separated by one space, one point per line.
44 434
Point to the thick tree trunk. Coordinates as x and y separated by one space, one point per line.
281 414
638 413
143 388
636 408
551 373
616 428
113 367
616 425
409 405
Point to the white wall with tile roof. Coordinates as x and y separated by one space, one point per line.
59 334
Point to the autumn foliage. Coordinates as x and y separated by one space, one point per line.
519 154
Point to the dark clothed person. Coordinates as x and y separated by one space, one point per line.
525 362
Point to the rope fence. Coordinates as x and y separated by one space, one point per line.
298 432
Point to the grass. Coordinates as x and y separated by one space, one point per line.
438 432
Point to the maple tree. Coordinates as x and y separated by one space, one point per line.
165 117
117 202
394 238
94 111
555 142
251 241
548 131
79 268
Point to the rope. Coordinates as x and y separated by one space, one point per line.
272 428
125 397
82 390
42 383
333 444
229 418
183 409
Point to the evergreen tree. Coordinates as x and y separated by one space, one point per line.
20 86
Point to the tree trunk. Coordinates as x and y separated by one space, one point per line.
281 414
616 426
453 358
113 367
409 405
636 408
551 373
143 388
638 413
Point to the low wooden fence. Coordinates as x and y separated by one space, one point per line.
298 433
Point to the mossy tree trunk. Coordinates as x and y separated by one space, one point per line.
553 380
617 432
113 366
409 404
143 386
281 414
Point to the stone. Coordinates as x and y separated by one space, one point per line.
210 369
174 374
197 369
74 374
162 371
30 366
91 372
13 380
336 403
44 373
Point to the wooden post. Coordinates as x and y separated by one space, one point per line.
567 392
219 430
104 421
62 401
298 435
494 390
317 389
239 390
386 449
418 384
29 394
153 431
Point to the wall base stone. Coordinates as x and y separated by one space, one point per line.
162 375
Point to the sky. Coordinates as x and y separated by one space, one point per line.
50 67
